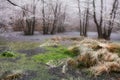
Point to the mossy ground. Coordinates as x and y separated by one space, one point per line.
35 63
53 53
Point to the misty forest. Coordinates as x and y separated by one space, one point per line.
59 39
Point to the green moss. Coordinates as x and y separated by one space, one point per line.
53 53
60 49
8 54
50 56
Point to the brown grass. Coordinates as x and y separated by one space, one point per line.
97 56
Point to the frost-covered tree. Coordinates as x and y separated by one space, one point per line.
105 23
84 13
29 16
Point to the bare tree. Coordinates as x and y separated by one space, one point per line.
55 8
29 12
98 23
111 21
61 20
59 16
104 32
45 26
29 20
14 4
84 17
79 7
3 27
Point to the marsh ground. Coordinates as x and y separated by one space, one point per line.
33 60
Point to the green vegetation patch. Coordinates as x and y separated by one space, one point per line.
53 53
40 71
8 54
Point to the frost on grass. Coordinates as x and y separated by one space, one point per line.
49 43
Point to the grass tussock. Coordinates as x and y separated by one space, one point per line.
97 56
11 75
50 43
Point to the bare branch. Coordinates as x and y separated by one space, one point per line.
18 5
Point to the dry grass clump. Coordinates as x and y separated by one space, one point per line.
79 48
86 60
72 63
74 49
75 38
113 47
12 75
98 57
104 55
59 38
105 67
49 44
93 44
